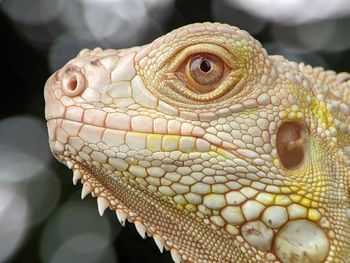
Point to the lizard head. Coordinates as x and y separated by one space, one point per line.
219 151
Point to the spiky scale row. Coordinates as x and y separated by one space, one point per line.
141 229
121 216
159 242
103 204
86 189
76 176
175 255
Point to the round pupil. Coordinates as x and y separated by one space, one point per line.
205 66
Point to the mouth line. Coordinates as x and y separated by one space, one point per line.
227 152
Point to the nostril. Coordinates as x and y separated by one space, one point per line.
73 83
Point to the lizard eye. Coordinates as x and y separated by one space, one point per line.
203 72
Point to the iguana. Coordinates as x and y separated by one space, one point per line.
217 150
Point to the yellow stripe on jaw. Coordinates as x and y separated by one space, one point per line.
187 144
136 140
154 142
170 143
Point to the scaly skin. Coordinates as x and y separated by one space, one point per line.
254 169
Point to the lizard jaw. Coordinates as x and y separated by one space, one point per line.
123 214
164 223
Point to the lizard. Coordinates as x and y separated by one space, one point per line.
219 151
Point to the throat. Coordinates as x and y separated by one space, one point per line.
187 237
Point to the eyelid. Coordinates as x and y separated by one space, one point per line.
227 57
178 60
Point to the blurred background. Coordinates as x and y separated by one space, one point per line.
42 218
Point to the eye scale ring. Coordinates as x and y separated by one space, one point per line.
174 81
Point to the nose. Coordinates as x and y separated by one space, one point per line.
73 82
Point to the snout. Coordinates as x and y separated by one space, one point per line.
63 85
52 93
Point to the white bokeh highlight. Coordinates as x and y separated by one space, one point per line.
29 189
14 220
81 235
294 11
